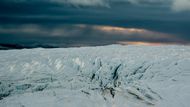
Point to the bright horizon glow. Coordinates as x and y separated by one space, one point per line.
141 43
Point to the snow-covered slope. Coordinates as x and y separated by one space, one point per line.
107 76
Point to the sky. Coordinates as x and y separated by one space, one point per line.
66 23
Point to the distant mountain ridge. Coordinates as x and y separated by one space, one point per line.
18 46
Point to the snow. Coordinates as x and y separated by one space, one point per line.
106 76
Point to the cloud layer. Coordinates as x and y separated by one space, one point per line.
181 5
83 2
74 35
31 21
176 5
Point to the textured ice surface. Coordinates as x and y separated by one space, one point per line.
107 76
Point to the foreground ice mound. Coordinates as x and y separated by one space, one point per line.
107 76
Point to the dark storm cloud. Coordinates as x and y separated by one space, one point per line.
176 5
165 16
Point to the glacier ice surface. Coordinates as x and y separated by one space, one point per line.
105 76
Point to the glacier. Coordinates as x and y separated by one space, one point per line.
103 76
